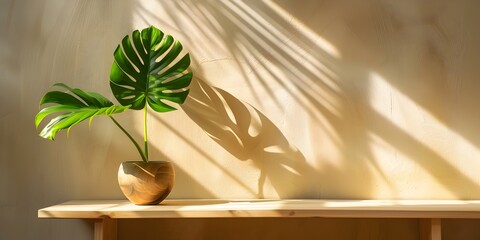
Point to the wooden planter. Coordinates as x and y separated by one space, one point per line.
146 183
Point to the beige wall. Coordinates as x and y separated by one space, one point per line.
292 99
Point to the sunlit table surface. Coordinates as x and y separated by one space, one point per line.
205 208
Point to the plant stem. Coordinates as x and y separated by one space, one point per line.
142 154
145 137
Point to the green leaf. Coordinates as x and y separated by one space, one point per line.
71 108
150 69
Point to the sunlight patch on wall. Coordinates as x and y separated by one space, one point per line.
433 138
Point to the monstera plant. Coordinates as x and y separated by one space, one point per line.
149 71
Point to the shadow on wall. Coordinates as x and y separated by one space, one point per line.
326 50
248 134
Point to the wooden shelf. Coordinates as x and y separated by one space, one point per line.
430 212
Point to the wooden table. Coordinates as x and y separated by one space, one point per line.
106 212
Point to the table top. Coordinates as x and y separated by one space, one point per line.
221 208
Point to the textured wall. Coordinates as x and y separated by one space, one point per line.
318 99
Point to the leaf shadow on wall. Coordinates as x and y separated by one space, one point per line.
248 134
264 39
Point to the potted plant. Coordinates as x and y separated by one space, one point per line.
149 71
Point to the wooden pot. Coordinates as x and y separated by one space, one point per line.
146 183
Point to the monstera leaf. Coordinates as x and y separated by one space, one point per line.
72 107
149 69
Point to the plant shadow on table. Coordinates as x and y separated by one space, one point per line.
248 134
